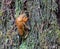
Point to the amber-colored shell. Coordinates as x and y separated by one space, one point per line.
20 21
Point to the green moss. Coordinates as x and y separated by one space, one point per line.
1 12
23 46
0 21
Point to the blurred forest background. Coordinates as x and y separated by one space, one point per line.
44 21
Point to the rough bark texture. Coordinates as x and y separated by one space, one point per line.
42 21
58 11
